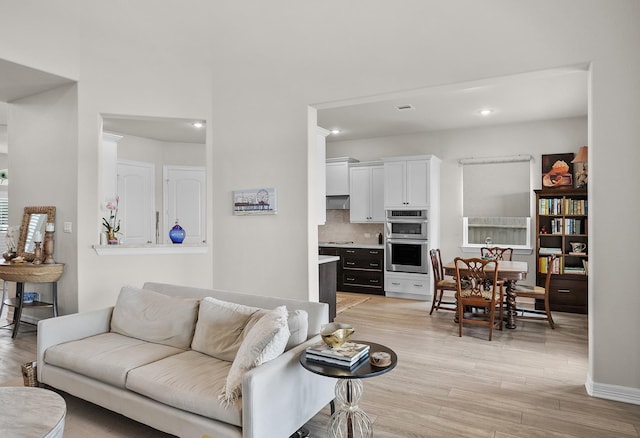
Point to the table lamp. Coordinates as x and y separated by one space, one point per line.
581 174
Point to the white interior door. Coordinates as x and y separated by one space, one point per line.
137 202
184 201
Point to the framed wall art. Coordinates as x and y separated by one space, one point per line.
557 171
255 201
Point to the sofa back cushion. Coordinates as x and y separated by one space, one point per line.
155 317
221 326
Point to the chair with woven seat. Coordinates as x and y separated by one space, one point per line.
441 284
478 287
538 293
496 253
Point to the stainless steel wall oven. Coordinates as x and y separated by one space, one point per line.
407 241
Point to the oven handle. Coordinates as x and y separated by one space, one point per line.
409 241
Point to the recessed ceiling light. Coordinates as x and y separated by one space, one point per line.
335 131
198 124
486 112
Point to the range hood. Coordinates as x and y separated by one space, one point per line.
338 202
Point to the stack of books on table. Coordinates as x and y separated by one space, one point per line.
348 355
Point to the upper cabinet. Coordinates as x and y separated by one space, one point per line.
408 181
321 151
367 193
337 173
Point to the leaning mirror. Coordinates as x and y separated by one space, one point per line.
34 220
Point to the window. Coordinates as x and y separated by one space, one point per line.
496 197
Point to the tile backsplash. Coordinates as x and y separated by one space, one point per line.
337 228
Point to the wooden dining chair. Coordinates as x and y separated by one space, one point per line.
441 284
496 253
538 293
478 287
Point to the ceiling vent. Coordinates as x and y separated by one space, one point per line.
405 107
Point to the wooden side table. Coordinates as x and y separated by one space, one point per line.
349 421
22 273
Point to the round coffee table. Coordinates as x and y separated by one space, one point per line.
350 421
31 412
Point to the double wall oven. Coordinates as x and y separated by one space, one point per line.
407 241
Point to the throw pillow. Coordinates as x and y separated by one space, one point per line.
298 327
155 317
220 327
265 341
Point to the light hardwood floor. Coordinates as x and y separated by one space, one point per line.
527 382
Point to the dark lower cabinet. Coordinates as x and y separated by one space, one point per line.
359 269
568 293
328 285
362 270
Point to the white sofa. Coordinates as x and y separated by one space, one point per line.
176 390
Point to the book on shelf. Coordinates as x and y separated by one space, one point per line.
577 253
549 251
545 265
347 352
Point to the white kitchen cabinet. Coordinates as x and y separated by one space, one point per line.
321 150
408 181
367 193
337 174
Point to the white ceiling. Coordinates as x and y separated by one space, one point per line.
550 94
157 128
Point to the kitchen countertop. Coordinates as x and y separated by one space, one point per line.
352 245
327 259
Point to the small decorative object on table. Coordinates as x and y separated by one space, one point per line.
37 251
11 253
48 243
380 359
335 334
177 233
112 224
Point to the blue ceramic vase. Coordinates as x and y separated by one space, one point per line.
177 233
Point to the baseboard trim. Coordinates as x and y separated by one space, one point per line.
613 392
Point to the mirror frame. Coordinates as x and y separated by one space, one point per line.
28 211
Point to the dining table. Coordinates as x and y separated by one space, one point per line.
509 271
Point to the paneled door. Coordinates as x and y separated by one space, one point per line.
184 201
137 202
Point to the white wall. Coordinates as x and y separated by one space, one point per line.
533 138
43 161
252 70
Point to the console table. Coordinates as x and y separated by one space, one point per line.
22 273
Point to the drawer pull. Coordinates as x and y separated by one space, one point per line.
351 251
350 263
374 265
395 284
374 281
564 291
373 252
350 279
418 285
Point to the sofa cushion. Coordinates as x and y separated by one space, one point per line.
265 341
107 357
155 317
220 327
298 322
190 381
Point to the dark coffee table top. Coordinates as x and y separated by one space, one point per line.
366 369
